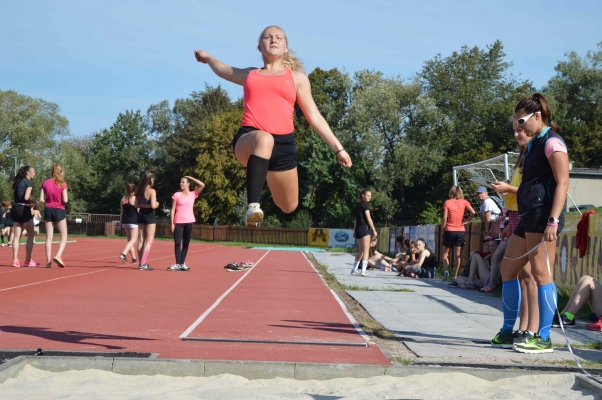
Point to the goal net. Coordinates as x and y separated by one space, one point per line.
470 176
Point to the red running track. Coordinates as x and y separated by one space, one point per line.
98 303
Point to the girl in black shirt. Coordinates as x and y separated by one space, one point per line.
362 227
21 214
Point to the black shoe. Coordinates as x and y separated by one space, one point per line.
454 284
123 258
568 323
145 267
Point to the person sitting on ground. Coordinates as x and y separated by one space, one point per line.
376 257
587 290
405 256
480 265
426 262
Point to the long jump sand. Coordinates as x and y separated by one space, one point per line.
32 383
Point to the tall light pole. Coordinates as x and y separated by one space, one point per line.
16 168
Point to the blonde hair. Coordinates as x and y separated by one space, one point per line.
289 60
56 174
456 193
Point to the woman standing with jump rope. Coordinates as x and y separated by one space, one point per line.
128 221
362 228
182 219
146 201
265 144
54 195
541 198
21 214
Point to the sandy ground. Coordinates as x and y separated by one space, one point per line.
94 384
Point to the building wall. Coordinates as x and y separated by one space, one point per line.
585 189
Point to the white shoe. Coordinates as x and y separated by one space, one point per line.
254 215
184 267
175 267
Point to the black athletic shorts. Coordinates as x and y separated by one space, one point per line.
284 153
20 213
54 214
536 221
454 239
147 217
362 231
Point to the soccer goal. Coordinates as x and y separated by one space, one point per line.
470 176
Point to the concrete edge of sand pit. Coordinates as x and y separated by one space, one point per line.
254 369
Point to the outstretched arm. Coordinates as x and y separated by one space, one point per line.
223 70
316 120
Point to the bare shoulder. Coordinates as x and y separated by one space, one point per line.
300 79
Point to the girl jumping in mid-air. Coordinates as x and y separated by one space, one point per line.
182 219
146 201
265 144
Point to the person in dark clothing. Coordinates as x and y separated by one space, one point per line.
363 228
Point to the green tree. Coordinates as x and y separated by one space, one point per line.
117 155
577 91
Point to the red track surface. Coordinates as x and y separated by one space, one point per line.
98 303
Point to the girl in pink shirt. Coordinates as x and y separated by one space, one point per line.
54 195
182 219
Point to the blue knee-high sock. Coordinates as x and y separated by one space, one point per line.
511 297
547 298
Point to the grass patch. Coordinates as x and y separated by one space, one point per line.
593 345
369 289
403 360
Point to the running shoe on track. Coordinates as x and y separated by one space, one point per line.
175 267
59 262
184 267
254 216
16 264
246 264
134 261
49 265
31 263
123 258
502 340
233 267
145 267
534 345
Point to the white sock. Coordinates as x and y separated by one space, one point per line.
530 333
364 266
355 265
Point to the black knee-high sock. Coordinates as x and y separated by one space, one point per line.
257 172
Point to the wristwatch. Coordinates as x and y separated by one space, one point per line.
553 220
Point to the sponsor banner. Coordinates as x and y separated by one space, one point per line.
568 267
318 237
341 238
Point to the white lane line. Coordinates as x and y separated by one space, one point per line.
87 273
357 327
19 269
55 279
219 300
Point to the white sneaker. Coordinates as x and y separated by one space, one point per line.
254 215
184 267
175 267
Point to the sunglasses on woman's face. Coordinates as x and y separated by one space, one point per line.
521 121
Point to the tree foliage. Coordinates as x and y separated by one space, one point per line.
403 135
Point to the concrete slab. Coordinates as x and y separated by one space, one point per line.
61 364
11 368
333 371
141 366
440 322
251 369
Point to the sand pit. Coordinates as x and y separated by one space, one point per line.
32 383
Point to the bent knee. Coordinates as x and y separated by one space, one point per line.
289 207
264 140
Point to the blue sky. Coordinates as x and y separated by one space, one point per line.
98 58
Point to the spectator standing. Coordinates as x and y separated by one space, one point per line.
54 195
128 221
541 197
489 210
363 227
146 202
21 213
454 233
182 219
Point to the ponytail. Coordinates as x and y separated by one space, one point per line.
538 103
22 173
